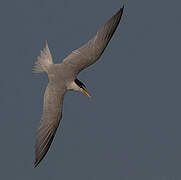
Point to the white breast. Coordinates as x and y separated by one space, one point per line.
73 86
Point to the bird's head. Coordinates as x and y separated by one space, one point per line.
82 87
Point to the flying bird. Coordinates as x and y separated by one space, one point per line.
63 77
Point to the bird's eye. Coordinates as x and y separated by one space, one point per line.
80 84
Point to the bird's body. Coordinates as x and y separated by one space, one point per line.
63 77
57 75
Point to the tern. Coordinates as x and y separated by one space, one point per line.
63 77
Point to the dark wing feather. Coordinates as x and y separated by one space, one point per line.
52 113
90 52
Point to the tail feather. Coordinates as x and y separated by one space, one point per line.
44 61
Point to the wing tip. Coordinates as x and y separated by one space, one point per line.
37 162
121 10
38 159
119 13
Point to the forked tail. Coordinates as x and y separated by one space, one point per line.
44 61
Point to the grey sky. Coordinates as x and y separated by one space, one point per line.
131 128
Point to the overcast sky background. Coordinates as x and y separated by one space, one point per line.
130 129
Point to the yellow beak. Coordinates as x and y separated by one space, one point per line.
85 92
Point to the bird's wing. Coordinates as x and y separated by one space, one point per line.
90 52
52 113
